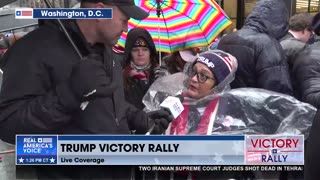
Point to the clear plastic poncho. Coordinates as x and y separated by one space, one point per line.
236 111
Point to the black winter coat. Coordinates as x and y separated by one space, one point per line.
312 155
34 68
306 71
261 62
135 91
292 47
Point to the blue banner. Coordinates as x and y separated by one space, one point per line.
154 138
36 149
63 13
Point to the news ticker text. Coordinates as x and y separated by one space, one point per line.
218 168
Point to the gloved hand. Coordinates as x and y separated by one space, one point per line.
158 121
160 71
88 80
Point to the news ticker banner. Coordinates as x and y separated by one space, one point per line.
227 168
159 150
63 13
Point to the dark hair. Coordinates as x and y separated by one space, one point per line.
172 62
300 22
316 24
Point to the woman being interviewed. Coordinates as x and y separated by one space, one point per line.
140 63
211 108
210 74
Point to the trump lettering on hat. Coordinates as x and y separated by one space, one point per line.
220 63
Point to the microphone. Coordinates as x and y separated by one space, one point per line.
173 104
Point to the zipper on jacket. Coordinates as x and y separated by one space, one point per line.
111 65
115 110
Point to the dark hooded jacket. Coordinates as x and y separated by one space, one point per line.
260 57
306 72
135 88
34 68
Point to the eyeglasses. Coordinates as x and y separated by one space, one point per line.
202 78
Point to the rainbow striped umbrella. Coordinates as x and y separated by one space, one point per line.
180 24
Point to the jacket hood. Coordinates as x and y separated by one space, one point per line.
132 36
270 17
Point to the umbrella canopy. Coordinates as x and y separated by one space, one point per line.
180 24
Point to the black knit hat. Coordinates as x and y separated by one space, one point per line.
132 36
126 6
140 42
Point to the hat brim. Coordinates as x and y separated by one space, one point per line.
134 12
188 56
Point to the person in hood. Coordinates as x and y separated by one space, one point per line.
140 63
48 88
262 63
211 73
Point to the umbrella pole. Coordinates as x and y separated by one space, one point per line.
66 32
158 14
159 43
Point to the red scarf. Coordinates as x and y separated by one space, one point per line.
180 124
133 73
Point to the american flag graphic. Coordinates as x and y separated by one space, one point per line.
24 13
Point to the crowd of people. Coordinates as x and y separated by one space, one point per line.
50 86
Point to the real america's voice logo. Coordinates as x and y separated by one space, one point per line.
274 150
